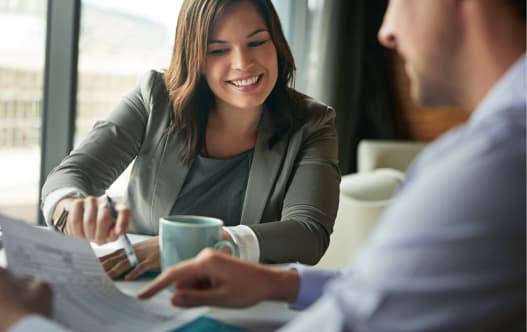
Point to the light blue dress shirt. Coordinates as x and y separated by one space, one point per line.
449 255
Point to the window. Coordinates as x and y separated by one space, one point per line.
119 42
301 23
22 44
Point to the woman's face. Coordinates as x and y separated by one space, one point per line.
241 65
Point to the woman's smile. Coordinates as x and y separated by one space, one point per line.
246 84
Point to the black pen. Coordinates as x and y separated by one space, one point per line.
127 245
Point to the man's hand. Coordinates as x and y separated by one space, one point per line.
89 218
20 297
213 278
147 253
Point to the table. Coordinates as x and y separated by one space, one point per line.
266 316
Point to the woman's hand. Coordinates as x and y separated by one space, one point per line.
226 235
90 218
116 263
213 278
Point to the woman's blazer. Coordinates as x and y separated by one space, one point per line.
292 193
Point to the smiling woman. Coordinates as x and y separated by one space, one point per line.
220 133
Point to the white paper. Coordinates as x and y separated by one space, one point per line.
108 248
85 299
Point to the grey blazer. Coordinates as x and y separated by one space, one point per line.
292 193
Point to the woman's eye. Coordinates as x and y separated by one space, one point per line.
257 43
218 51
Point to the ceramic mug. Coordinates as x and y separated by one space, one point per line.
182 237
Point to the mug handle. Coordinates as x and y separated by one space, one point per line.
230 244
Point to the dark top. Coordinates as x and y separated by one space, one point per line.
215 188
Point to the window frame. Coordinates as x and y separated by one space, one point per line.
60 86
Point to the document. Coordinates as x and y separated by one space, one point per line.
85 299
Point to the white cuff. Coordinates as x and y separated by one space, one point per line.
35 323
54 197
247 242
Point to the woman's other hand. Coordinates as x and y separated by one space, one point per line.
116 263
226 236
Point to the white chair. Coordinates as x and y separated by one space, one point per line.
364 196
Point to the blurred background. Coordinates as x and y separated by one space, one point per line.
64 64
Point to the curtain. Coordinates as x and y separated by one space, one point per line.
349 70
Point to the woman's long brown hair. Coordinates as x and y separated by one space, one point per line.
192 99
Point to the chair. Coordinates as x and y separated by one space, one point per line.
364 196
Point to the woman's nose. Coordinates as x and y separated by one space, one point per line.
241 59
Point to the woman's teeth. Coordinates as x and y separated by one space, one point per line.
247 82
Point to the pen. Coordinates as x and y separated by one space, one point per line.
125 242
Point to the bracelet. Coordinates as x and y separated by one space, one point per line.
60 224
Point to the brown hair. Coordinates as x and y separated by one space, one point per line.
190 95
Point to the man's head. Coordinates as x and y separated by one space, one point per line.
454 50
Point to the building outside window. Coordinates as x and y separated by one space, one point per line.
119 42
22 44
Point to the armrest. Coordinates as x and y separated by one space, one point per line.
373 186
373 154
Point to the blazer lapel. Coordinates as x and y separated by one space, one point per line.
265 167
169 180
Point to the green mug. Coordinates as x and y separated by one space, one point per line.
182 237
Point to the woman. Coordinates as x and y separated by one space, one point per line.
220 133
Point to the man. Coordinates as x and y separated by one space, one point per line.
449 255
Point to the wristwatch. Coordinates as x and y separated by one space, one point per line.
60 223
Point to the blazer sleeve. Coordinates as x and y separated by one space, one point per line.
311 200
109 147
